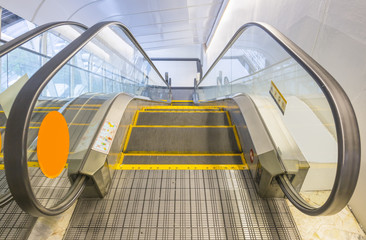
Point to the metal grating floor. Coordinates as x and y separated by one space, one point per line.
16 224
182 204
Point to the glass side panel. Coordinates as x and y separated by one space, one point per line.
293 107
20 64
107 65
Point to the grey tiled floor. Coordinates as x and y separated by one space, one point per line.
182 204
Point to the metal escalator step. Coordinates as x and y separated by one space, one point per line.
183 139
187 118
173 109
183 159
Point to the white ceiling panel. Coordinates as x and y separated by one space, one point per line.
155 23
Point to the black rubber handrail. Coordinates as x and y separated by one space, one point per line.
15 43
25 37
348 136
15 145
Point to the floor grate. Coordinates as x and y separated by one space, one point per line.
196 204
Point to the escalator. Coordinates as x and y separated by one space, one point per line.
141 163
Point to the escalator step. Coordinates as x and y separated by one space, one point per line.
183 159
183 140
173 109
189 118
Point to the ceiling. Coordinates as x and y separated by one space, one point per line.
156 24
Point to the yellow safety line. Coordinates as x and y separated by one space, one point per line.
182 107
36 151
121 159
181 167
180 154
77 124
228 118
47 107
172 111
127 138
237 138
30 164
243 159
1 111
179 126
136 117
175 152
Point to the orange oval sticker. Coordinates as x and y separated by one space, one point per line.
53 144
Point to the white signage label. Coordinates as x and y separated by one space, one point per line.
104 140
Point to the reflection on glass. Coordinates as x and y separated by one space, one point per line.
296 114
20 64
106 66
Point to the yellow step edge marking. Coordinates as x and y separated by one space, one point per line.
228 118
172 111
77 124
181 154
183 107
243 159
177 153
1 111
30 164
120 161
33 151
180 126
127 138
136 117
237 138
86 109
180 167
47 107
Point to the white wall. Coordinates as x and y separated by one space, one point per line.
182 73
333 32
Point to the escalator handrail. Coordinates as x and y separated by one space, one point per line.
25 37
17 42
16 132
348 136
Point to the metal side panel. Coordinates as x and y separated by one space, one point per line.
259 151
96 165
111 123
